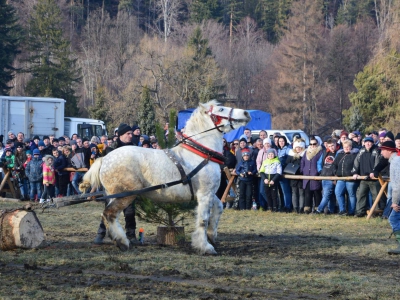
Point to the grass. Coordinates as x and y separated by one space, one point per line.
260 256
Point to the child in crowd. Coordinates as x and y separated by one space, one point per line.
8 160
34 172
246 169
49 178
270 171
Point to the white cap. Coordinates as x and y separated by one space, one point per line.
266 140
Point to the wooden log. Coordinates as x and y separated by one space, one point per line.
75 170
20 228
374 205
170 235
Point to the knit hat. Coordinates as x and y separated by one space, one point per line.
134 127
36 137
41 143
46 137
146 142
397 136
267 140
382 134
54 140
18 144
72 142
389 135
28 152
357 133
245 151
300 144
369 139
272 150
10 132
7 149
9 141
388 145
344 133
123 128
243 140
36 151
27 140
61 138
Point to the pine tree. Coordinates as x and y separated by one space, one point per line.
54 72
146 115
202 10
10 37
99 110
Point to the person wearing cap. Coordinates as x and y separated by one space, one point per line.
294 158
8 159
356 139
397 141
262 155
381 138
367 159
246 169
27 144
375 137
43 150
49 178
238 153
390 152
311 165
343 137
11 136
136 135
61 177
124 139
271 171
61 141
20 159
389 136
34 172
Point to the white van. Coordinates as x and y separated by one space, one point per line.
85 128
287 133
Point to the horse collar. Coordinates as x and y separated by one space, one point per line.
216 119
202 150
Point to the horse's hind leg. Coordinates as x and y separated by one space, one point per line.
115 230
199 236
216 212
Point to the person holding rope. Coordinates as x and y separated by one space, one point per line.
125 134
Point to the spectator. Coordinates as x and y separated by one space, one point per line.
146 144
295 157
283 153
61 141
46 141
136 135
311 165
239 154
246 169
389 136
20 159
9 158
35 143
270 171
11 136
34 171
49 178
381 138
20 137
27 144
397 141
327 185
262 155
263 134
367 158
61 177
342 167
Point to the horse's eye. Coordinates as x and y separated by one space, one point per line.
221 109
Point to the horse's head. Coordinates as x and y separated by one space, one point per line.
225 118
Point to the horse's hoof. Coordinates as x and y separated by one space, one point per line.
211 240
121 245
210 251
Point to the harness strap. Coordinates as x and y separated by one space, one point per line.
181 170
203 151
159 186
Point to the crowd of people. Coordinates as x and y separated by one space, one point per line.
260 163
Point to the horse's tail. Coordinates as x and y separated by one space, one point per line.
92 177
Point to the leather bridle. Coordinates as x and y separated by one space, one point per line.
216 119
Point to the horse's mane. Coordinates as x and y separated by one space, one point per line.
197 120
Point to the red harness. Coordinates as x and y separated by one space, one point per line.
217 119
202 151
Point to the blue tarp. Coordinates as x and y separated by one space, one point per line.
259 120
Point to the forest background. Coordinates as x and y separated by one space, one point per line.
315 65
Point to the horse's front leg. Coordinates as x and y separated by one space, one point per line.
115 230
199 236
216 212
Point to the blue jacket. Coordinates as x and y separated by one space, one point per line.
34 170
246 166
60 163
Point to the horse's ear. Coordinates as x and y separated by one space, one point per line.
204 106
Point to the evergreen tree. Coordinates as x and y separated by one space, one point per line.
146 115
54 72
202 10
10 36
99 110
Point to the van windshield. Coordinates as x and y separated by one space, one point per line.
89 130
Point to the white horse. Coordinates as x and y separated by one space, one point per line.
133 168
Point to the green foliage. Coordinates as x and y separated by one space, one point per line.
376 99
354 120
99 110
10 37
351 11
53 71
168 214
272 16
146 114
202 10
169 141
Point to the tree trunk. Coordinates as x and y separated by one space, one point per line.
20 229
170 235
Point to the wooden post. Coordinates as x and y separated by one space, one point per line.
11 188
382 190
230 185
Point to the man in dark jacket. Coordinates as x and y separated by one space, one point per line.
367 159
124 139
136 135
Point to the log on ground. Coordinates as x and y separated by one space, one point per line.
20 229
